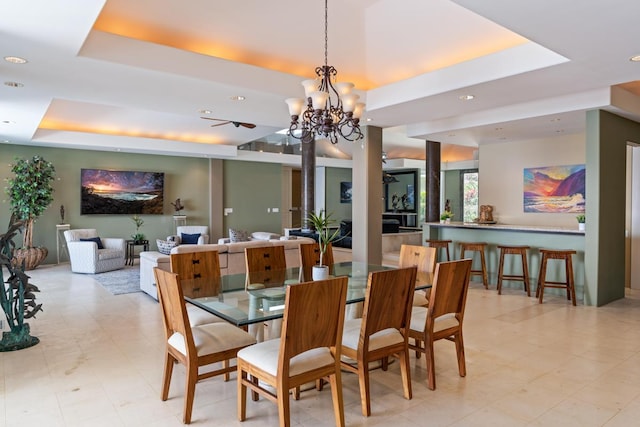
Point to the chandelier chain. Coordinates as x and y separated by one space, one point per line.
326 33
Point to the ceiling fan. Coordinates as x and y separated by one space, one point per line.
233 122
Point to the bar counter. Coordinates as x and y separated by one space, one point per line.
535 236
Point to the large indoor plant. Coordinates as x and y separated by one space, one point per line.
17 298
327 233
30 193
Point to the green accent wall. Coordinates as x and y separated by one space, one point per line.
607 139
250 188
338 211
185 177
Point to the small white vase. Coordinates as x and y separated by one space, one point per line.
320 272
581 226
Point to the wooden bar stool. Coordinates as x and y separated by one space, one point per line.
524 277
477 247
562 255
440 244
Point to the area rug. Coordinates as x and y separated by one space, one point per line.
119 282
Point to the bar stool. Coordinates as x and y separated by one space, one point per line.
440 244
477 247
524 277
568 284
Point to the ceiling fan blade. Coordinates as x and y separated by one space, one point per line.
221 124
218 120
248 125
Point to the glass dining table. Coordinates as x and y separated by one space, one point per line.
245 299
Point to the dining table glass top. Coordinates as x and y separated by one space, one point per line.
244 299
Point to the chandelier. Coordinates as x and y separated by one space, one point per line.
332 110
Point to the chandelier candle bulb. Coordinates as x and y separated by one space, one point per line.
344 88
295 106
349 102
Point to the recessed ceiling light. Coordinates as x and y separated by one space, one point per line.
369 119
452 134
238 98
498 128
15 60
557 119
204 111
13 84
466 97
560 131
635 58
8 122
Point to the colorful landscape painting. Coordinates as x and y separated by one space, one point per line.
121 192
554 189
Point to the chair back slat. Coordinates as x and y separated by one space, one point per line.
450 286
388 300
313 316
265 264
310 256
199 272
423 257
174 311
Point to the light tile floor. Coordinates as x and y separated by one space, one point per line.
99 363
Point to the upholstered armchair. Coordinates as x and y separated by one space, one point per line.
191 230
91 254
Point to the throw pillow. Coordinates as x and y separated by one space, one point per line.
164 246
238 235
189 239
96 240
264 235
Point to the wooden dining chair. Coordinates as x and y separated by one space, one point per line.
383 329
443 318
310 256
265 265
199 277
424 258
308 350
194 346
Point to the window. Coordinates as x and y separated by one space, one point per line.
469 192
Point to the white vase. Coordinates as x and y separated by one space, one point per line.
581 226
320 272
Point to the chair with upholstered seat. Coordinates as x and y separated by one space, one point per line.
383 329
89 253
199 274
444 315
193 346
310 256
308 350
422 257
192 234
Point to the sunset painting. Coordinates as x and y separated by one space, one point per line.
121 192
555 189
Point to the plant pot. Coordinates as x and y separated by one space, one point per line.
32 257
581 226
320 272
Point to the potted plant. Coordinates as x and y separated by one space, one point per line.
323 223
138 237
30 193
581 221
446 216
18 299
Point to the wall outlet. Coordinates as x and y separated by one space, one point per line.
275 210
227 211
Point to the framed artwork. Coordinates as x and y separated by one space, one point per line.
345 192
121 192
555 189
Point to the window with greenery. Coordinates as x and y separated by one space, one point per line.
469 193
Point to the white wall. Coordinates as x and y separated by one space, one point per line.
501 168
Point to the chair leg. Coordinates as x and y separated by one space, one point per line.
483 265
570 280
429 355
283 405
384 363
227 375
242 395
525 274
189 392
405 370
166 379
462 366
336 394
363 378
500 271
296 393
418 344
541 279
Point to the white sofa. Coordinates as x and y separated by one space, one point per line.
231 258
85 256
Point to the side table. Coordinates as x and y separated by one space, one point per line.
131 249
61 242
